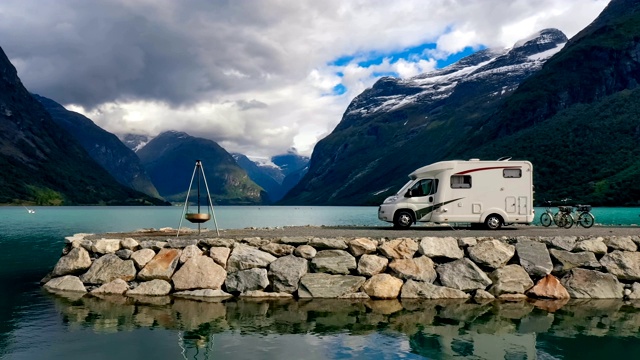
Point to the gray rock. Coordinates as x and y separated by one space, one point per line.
621 243
124 254
569 260
492 253
177 243
419 269
370 265
199 272
188 252
482 296
278 249
256 242
305 251
625 265
463 275
511 279
162 266
382 286
217 242
205 293
320 285
285 273
68 283
403 248
361 246
105 246
585 284
85 244
129 244
245 257
635 291
247 280
596 246
108 268
220 255
331 244
153 245
422 290
467 241
142 257
295 241
117 286
265 294
566 243
155 287
75 262
355 296
333 262
534 257
446 247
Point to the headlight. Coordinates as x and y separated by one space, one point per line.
390 199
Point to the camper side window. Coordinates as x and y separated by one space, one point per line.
512 173
460 181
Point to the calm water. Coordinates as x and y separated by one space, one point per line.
37 325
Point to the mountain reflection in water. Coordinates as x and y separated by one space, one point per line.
432 329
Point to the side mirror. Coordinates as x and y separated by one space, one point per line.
408 194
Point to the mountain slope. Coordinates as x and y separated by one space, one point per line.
103 147
170 159
41 162
399 125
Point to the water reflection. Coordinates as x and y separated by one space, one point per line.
434 329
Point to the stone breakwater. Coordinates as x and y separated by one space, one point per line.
358 268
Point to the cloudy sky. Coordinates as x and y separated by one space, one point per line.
257 76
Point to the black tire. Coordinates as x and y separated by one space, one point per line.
403 219
545 219
557 219
586 220
493 222
568 221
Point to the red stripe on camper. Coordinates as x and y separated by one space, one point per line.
488 168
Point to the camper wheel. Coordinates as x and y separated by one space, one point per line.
403 219
493 222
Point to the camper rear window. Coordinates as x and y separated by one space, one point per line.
512 173
460 181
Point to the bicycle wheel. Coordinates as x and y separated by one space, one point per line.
568 221
557 219
586 220
545 219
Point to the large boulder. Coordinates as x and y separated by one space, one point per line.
108 268
245 257
492 253
220 255
285 273
320 285
199 272
188 252
162 266
422 290
305 251
625 265
370 265
382 286
333 262
247 280
142 257
420 269
549 287
155 287
76 261
435 247
65 283
534 257
511 279
105 246
569 260
403 248
278 249
463 275
328 244
624 243
129 244
596 246
585 284
361 246
566 243
117 286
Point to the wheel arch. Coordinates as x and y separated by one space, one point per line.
411 211
492 211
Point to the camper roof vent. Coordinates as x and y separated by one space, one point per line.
474 159
505 158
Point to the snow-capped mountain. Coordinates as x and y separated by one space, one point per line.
398 125
135 142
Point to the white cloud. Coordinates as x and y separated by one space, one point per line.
254 75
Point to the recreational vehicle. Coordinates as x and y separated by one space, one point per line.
493 193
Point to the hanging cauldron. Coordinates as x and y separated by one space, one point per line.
198 217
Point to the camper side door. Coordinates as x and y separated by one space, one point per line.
421 196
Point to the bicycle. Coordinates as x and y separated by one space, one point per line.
559 218
546 218
585 218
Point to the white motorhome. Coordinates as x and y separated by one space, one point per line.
493 193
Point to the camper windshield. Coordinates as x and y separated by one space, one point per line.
404 189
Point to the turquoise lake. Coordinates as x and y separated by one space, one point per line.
38 325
